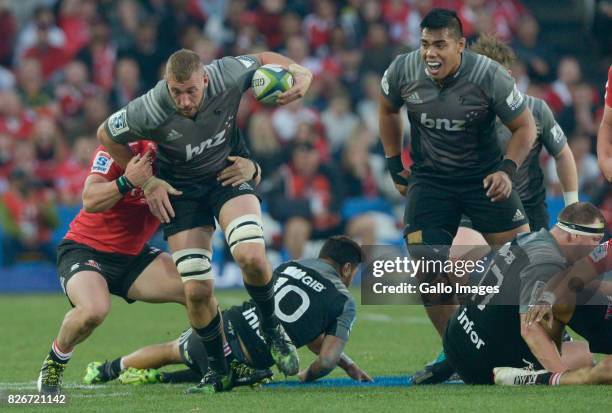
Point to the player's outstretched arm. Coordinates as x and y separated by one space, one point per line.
344 362
604 144
568 174
328 358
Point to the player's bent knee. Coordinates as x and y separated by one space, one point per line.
244 229
199 292
193 264
93 315
250 259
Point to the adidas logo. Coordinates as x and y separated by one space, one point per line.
244 186
173 135
518 215
413 98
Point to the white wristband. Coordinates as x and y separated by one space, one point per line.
570 197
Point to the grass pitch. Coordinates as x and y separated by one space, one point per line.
386 341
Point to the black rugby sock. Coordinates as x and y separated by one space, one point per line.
181 376
264 299
212 338
112 370
59 356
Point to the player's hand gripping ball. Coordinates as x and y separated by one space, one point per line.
269 81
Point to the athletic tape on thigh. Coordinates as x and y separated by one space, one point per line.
193 264
247 228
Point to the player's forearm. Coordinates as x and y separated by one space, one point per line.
321 367
390 130
568 174
542 347
520 143
120 152
100 196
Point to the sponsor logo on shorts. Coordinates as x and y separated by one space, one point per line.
245 187
102 163
93 264
117 123
518 215
74 267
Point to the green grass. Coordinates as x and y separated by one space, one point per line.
386 340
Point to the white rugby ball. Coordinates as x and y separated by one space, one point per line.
269 81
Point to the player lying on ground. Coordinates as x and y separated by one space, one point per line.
313 304
490 330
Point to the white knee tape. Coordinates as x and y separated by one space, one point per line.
193 264
247 228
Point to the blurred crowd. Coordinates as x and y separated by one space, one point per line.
65 65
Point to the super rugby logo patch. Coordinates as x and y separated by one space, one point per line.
600 252
117 123
102 163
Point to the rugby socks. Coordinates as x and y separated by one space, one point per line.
181 376
264 299
548 378
113 369
59 355
212 338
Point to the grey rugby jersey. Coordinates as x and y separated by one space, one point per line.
452 128
189 148
529 179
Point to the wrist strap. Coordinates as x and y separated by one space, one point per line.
256 173
396 167
509 167
124 185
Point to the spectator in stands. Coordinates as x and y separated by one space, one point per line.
378 49
71 174
74 19
286 119
9 33
269 15
532 51
339 121
318 26
34 92
49 149
27 218
100 54
589 175
560 94
6 160
15 120
147 53
304 197
42 19
125 23
367 107
127 84
263 143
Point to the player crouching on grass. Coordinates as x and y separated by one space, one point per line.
312 302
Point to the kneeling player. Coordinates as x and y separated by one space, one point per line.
486 332
312 303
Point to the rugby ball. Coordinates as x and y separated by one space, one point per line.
269 81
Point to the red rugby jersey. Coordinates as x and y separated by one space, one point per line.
128 225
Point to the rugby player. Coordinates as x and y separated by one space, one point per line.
453 97
105 252
191 115
313 304
604 136
491 330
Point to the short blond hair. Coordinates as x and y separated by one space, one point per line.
182 64
494 48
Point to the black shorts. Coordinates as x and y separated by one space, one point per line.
120 271
431 204
537 215
200 204
594 323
